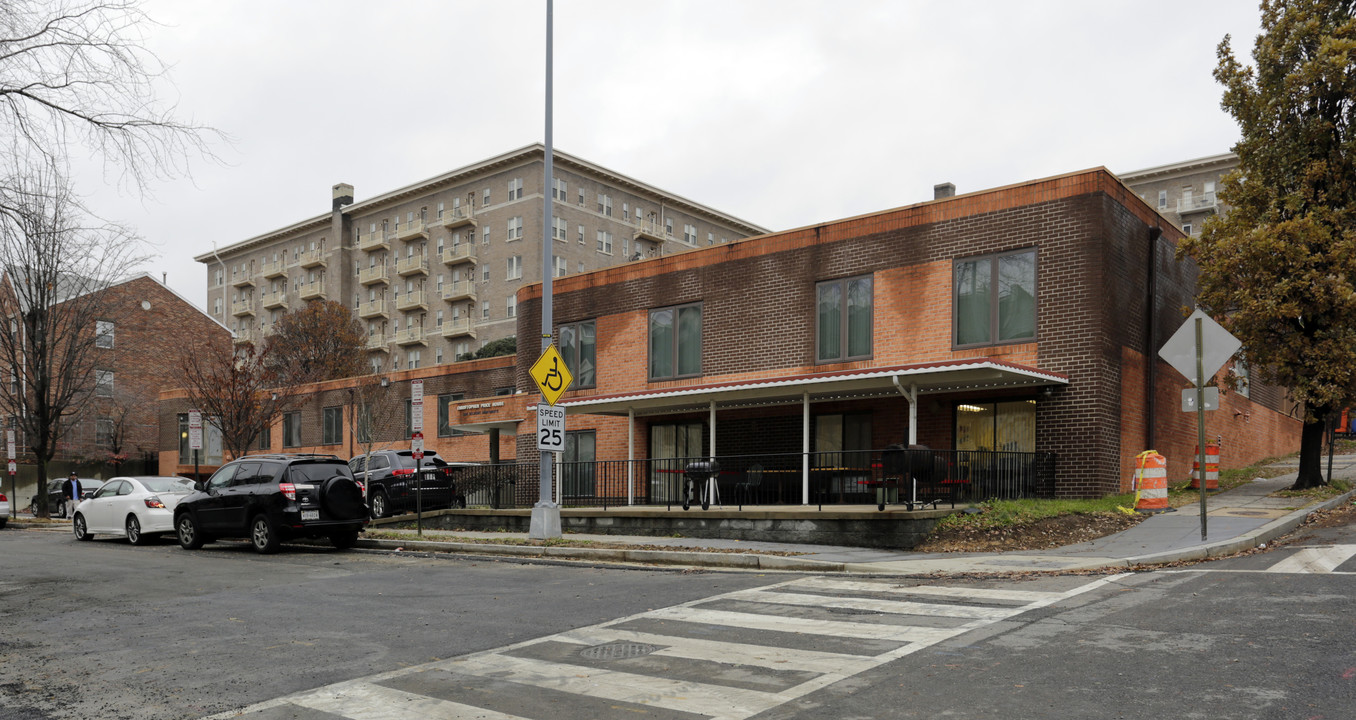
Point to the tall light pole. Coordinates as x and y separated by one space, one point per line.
546 514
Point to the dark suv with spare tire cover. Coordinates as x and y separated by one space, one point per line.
272 498
392 486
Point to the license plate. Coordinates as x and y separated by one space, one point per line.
310 514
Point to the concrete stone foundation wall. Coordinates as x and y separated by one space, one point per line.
888 530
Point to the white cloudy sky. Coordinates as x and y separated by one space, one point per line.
783 113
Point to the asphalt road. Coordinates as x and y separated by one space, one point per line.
104 630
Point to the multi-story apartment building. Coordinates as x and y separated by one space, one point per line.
432 269
1183 192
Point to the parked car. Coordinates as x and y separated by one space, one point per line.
56 497
4 510
137 508
271 498
392 487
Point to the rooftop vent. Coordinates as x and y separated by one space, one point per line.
945 190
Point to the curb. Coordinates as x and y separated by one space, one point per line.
690 558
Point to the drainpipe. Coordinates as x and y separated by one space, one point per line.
223 280
912 396
1151 339
630 456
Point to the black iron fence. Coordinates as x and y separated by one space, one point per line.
890 476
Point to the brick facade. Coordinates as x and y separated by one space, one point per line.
1092 240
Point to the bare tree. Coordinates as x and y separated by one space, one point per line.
76 72
375 408
55 272
233 387
319 341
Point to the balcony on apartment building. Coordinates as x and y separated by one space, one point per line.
373 308
649 229
377 341
413 300
314 290
274 269
456 327
275 299
412 230
459 253
375 241
243 279
1189 204
241 308
246 335
411 336
412 265
457 215
311 258
459 290
373 275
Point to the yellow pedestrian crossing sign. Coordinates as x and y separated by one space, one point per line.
551 375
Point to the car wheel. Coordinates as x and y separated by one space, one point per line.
344 539
381 507
190 535
81 530
264 535
134 535
61 509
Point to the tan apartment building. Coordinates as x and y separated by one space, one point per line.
1183 192
432 269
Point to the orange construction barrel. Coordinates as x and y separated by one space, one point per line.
1151 483
1211 467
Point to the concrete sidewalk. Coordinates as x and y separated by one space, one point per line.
1236 520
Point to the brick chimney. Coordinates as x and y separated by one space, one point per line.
945 190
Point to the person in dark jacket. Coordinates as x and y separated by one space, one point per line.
71 491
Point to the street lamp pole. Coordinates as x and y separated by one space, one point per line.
546 514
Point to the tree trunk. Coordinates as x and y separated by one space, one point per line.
1311 455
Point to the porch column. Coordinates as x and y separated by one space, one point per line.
713 429
805 450
912 396
630 456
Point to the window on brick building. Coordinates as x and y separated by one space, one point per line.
985 315
103 334
515 189
334 426
842 440
1002 426
103 432
675 342
446 402
577 476
843 319
292 430
579 347
103 383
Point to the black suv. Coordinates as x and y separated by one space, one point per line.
271 498
392 487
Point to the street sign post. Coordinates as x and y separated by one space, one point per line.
550 428
13 470
417 405
417 445
195 438
417 450
1198 350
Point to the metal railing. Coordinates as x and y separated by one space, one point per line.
889 476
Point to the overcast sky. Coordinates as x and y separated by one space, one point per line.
780 113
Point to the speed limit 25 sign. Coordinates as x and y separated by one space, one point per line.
550 428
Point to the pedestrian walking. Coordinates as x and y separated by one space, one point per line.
71 490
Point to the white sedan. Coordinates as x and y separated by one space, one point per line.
4 509
137 508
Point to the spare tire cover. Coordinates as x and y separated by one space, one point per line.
342 498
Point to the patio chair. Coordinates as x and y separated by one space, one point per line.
753 479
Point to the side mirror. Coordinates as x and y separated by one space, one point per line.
199 485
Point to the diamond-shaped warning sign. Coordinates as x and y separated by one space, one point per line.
551 375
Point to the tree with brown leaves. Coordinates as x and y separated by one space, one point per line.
321 341
233 387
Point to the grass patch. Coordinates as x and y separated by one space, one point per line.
1009 513
1338 486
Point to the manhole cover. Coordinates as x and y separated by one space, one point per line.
617 651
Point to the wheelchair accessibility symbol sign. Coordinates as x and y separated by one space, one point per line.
551 375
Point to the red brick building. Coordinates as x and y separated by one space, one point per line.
135 355
1022 319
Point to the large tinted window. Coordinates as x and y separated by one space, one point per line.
315 473
994 299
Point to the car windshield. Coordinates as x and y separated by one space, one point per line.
317 472
167 484
406 459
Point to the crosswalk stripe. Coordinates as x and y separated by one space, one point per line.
364 699
869 604
374 702
764 656
1315 560
959 593
680 695
779 623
